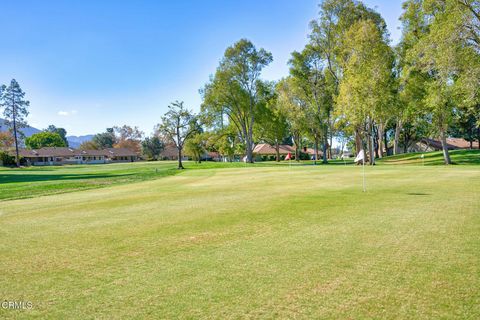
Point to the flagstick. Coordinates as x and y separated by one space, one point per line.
364 189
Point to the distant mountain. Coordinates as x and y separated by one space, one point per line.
76 141
73 141
28 131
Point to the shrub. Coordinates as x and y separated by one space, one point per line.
304 156
6 159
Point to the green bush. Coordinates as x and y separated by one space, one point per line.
6 159
304 156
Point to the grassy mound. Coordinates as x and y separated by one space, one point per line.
434 158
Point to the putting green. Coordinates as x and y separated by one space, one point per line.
254 242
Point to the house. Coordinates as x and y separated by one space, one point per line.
62 155
266 150
170 152
120 155
426 145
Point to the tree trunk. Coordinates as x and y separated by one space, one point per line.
17 157
381 129
324 149
385 141
249 150
14 116
478 137
180 165
443 137
277 151
296 142
398 128
330 156
358 142
316 150
371 155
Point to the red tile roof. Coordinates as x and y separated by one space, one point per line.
266 149
119 152
69 152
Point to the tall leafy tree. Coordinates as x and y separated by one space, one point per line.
105 139
6 141
307 71
327 37
152 147
293 110
412 82
271 126
15 111
447 52
196 147
45 139
236 89
128 137
177 126
89 145
366 87
61 132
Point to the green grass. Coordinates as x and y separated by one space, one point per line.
249 242
434 158
36 181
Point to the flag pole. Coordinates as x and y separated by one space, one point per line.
364 189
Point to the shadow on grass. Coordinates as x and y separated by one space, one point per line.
10 178
418 194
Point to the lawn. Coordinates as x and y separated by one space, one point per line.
249 242
36 181
434 158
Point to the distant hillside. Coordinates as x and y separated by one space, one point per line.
73 141
76 141
28 131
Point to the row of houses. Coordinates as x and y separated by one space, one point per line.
61 155
424 145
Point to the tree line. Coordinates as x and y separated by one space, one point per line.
347 83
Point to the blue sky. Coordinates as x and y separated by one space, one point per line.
87 65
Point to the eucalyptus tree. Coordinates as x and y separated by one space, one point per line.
272 126
177 126
294 110
307 71
366 88
236 89
15 111
447 53
412 82
327 37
